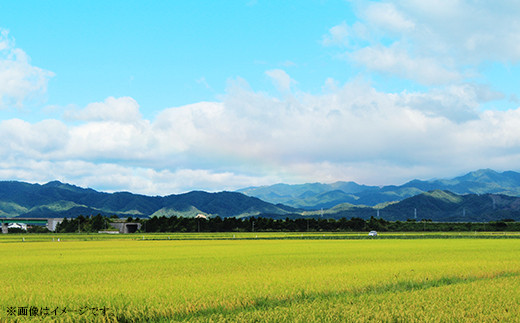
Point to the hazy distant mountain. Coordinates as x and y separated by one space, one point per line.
317 195
57 199
310 196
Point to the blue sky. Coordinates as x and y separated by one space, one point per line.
166 97
170 53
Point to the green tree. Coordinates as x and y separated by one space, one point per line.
98 223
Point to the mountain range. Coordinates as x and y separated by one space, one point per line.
436 205
316 195
56 199
483 195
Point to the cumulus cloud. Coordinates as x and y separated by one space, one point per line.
397 61
431 42
459 103
19 80
21 138
338 35
388 17
122 110
349 132
472 30
281 79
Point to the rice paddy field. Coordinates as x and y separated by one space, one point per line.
264 277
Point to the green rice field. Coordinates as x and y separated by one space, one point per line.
264 277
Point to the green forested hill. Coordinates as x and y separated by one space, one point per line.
439 206
409 201
57 199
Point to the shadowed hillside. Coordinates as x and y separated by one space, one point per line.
57 199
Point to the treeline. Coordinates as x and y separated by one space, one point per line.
217 224
261 224
86 224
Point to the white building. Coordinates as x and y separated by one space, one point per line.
22 226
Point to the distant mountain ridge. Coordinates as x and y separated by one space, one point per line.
309 196
318 195
447 206
56 199
436 205
482 195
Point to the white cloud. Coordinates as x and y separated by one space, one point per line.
19 80
459 102
109 140
122 110
473 31
281 79
21 138
111 177
351 132
338 35
396 61
386 16
431 42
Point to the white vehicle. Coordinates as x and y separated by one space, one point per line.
372 233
